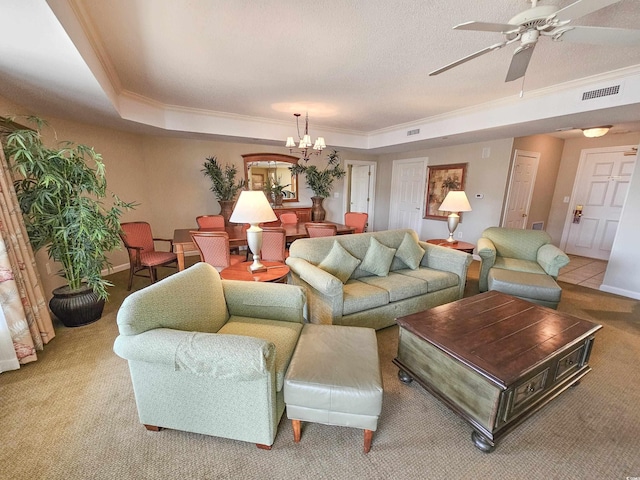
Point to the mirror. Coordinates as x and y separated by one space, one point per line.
264 169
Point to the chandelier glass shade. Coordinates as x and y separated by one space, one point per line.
305 141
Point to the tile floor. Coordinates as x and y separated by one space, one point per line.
587 272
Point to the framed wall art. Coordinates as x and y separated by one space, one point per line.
441 179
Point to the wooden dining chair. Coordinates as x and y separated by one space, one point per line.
274 241
321 229
290 218
357 220
210 221
214 249
139 242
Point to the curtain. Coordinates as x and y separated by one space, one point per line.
21 296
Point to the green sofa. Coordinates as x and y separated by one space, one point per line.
208 355
377 280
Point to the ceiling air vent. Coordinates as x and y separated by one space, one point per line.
601 92
415 131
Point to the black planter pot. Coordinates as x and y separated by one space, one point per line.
78 307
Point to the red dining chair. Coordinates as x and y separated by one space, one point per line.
139 242
210 221
357 220
274 241
214 249
291 218
321 229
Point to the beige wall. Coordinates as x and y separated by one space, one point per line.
486 176
550 150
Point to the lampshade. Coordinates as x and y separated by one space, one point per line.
455 201
595 132
252 207
290 143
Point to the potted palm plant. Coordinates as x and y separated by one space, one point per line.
275 191
61 192
223 184
320 182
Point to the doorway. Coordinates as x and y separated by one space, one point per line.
407 193
599 193
359 189
520 191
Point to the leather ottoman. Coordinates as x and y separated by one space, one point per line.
334 378
534 287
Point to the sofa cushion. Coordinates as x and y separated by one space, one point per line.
284 335
436 279
399 286
518 265
359 296
410 252
339 263
378 258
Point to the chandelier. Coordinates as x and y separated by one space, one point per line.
305 141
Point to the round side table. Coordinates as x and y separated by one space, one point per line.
276 272
458 245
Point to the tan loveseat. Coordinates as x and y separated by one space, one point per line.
377 280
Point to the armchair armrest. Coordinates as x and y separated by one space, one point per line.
273 301
551 259
487 253
322 281
169 240
203 354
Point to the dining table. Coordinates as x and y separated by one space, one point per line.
183 243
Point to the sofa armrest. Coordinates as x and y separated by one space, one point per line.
204 354
551 259
317 278
447 260
487 252
273 301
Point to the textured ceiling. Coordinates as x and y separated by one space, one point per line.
355 66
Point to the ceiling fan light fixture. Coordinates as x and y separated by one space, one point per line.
594 132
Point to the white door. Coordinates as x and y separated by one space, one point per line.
523 178
407 194
359 191
600 190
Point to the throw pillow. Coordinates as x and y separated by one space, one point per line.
339 263
410 252
378 258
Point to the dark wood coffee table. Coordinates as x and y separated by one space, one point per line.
494 359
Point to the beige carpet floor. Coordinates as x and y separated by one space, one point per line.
72 415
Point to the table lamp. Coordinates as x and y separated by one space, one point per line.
455 201
253 208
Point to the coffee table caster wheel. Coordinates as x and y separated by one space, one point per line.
405 377
482 443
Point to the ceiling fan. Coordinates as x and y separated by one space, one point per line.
549 21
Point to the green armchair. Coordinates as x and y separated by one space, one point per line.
520 262
208 355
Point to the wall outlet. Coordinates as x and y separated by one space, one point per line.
336 195
459 234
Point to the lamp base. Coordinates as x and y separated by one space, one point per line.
257 267
452 224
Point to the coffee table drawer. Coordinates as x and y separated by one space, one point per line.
570 362
529 390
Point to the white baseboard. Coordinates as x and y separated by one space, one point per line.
125 266
620 291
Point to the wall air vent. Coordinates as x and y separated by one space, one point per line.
415 131
601 92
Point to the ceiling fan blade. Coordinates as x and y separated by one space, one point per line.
599 36
467 58
519 63
581 8
487 27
